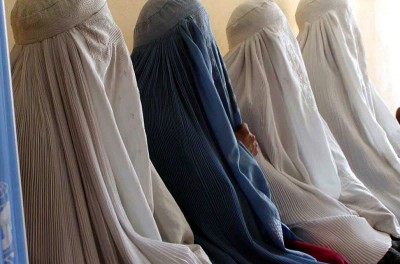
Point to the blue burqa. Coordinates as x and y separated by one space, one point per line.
190 115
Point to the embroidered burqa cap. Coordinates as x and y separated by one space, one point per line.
157 17
34 21
309 11
367 132
250 18
91 194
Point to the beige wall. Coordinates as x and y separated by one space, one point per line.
374 17
9 4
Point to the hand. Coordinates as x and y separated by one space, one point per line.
244 135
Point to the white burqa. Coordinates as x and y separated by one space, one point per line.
91 193
316 192
367 132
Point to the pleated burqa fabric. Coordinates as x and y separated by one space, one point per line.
367 132
317 194
90 192
189 113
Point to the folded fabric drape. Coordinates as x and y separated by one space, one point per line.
91 193
13 241
367 132
317 194
190 114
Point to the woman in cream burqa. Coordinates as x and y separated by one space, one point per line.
190 115
317 194
358 118
90 192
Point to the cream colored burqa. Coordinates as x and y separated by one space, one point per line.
90 192
367 132
316 192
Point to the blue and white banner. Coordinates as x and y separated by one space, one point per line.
12 232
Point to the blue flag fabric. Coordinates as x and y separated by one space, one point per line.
12 232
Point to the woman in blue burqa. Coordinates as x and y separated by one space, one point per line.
192 123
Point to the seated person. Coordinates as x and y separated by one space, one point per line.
365 129
90 192
317 194
190 116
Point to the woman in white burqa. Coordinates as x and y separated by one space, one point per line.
358 118
90 192
316 192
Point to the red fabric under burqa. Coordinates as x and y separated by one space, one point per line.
320 253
